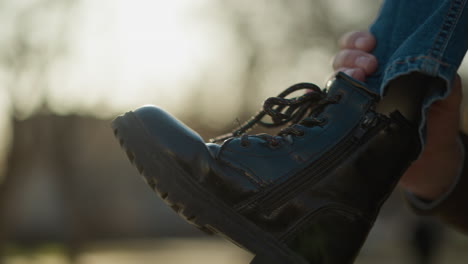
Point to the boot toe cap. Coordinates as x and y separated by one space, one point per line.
169 133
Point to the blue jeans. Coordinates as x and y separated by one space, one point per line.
426 36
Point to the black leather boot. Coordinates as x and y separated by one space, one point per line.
307 195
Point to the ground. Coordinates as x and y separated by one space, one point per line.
212 251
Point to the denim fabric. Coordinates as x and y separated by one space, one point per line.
427 36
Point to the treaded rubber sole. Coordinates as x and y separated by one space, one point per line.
190 200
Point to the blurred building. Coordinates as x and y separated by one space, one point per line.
67 179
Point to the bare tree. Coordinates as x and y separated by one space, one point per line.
37 39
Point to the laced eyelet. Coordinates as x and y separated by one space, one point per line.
274 143
244 144
301 133
300 110
323 121
338 97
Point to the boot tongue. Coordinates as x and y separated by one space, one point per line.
343 81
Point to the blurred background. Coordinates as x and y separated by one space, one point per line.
67 67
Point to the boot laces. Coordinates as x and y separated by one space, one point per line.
301 110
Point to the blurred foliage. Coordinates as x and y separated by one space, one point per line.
35 36
282 41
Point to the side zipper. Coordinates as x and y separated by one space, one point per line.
366 129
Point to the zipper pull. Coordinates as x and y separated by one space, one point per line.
369 121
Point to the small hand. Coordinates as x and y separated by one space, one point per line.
432 174
354 57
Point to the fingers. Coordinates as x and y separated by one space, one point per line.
354 58
349 58
358 40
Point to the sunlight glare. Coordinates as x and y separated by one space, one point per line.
124 52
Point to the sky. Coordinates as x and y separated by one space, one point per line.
126 53
123 54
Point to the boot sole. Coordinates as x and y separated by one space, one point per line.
191 200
